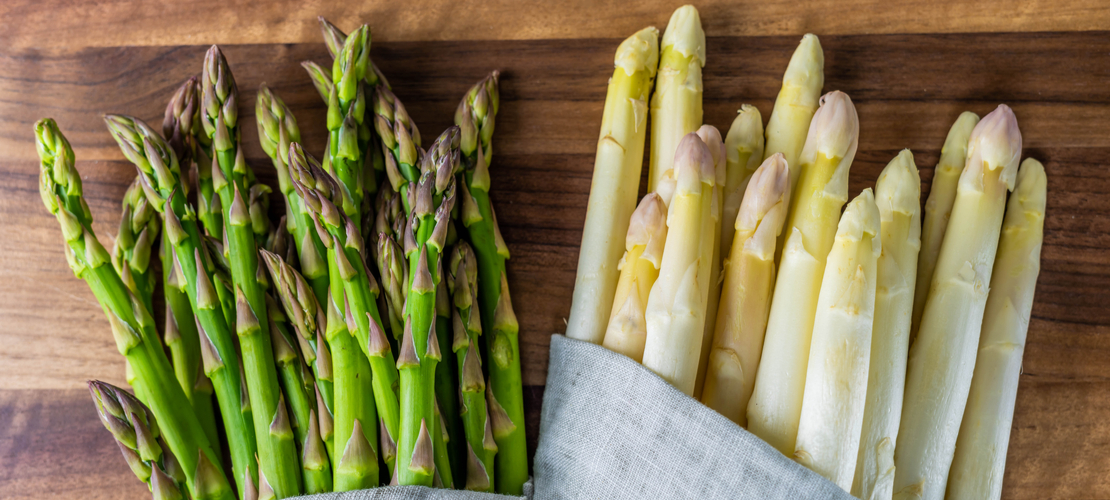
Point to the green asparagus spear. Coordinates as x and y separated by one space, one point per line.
160 177
132 325
181 126
480 445
475 117
347 135
399 139
447 388
233 179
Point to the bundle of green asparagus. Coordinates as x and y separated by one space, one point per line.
846 335
322 381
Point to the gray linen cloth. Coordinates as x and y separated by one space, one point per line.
611 429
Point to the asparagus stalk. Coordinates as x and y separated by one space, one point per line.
399 140
942 358
676 104
898 195
743 155
938 207
620 151
136 432
295 379
475 118
132 325
836 380
181 126
354 456
980 459
746 297
796 104
320 193
710 260
219 116
392 266
453 455
466 322
647 232
776 402
161 181
419 350
676 304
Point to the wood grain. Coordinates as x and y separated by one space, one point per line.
907 88
110 23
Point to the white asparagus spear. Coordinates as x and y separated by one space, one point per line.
942 357
746 296
620 158
980 459
676 107
898 196
836 380
796 103
938 208
822 190
647 232
711 249
676 304
743 154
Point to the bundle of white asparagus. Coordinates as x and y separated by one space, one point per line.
848 338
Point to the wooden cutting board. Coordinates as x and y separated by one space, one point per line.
910 66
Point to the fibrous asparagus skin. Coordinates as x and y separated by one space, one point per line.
942 357
746 295
467 328
475 119
132 325
796 103
822 190
676 304
219 115
980 461
836 380
157 167
620 150
647 232
938 207
676 107
743 155
322 196
898 196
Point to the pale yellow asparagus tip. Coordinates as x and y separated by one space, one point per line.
995 143
647 233
834 132
639 52
684 33
712 139
746 295
836 380
980 461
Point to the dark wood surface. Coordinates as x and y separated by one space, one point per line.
908 88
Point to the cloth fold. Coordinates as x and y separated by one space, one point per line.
612 429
